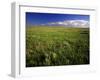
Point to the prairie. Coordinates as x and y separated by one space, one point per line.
55 46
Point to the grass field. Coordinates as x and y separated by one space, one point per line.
53 46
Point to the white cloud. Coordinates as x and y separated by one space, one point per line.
71 23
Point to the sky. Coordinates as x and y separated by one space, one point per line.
52 19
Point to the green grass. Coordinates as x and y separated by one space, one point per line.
53 46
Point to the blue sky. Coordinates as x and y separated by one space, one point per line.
33 19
